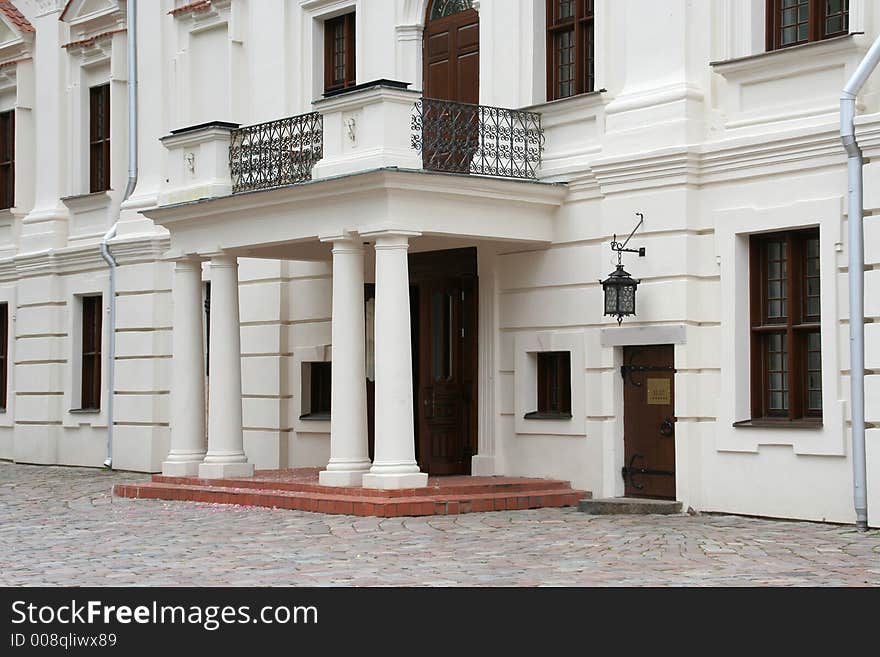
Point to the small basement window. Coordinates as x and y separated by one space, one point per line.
554 386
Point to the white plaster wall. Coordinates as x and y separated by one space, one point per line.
708 153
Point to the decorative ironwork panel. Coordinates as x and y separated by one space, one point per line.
477 139
443 8
276 153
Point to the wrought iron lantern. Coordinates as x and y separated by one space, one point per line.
620 287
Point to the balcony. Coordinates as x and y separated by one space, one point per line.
477 139
275 153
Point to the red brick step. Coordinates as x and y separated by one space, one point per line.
299 490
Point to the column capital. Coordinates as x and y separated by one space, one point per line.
380 232
223 261
391 239
188 263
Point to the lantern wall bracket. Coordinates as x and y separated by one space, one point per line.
621 247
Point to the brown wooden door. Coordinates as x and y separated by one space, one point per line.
451 73
446 364
649 421
452 57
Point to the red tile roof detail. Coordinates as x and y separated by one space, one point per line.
91 40
192 6
15 16
14 62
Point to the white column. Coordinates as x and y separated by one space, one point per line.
395 464
188 439
225 457
349 449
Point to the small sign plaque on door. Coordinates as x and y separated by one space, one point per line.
659 392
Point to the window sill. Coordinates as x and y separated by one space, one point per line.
85 411
537 415
315 417
721 65
765 423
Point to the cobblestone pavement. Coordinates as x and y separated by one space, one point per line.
60 526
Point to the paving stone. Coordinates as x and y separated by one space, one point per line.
82 536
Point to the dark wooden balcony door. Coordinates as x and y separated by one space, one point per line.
446 394
451 72
649 421
452 57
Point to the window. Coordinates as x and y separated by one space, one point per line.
91 353
99 138
7 159
4 353
339 48
316 380
786 338
554 386
570 48
792 22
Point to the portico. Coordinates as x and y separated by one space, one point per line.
406 212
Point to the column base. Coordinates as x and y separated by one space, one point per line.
225 470
342 478
482 466
395 481
181 468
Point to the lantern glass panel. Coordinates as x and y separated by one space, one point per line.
627 299
610 299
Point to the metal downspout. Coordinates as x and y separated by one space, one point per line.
856 270
131 32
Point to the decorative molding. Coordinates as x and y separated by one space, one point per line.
81 258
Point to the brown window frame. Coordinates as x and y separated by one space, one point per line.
7 159
581 26
91 356
332 81
554 386
816 22
99 138
786 316
4 355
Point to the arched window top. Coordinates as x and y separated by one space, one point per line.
443 8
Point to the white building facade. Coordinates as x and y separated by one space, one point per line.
368 236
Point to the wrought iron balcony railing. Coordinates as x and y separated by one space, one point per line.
477 139
276 153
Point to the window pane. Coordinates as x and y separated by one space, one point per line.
836 17
812 303
565 63
777 373
441 335
554 382
566 9
814 372
776 289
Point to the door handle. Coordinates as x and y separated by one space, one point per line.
667 428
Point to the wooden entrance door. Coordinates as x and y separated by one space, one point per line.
649 421
452 52
446 398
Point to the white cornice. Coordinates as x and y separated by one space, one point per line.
82 258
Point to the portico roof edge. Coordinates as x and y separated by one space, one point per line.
529 191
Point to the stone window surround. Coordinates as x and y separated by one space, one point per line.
8 296
71 416
732 248
314 354
315 13
743 31
527 345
